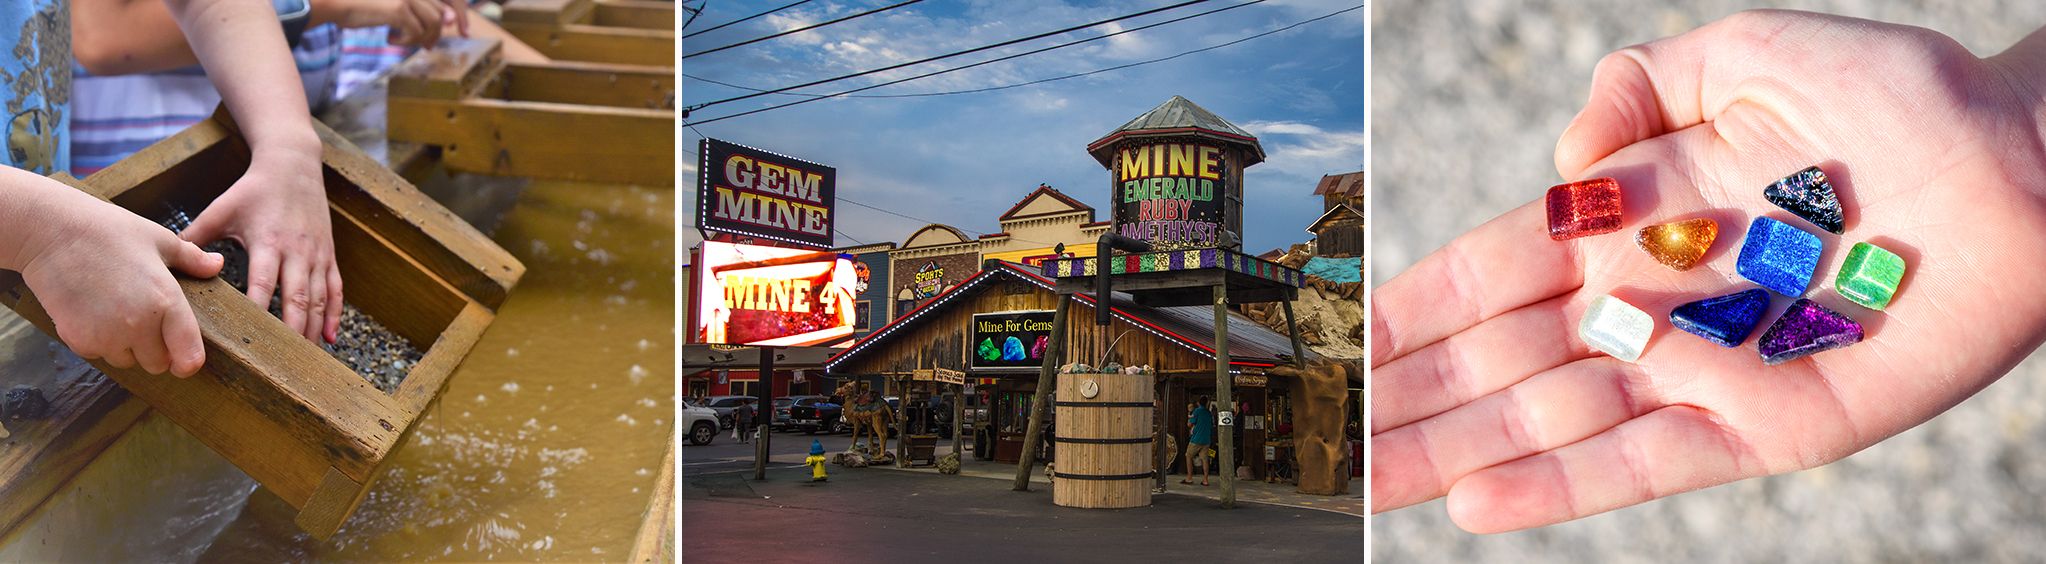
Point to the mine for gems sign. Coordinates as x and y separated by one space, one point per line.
1015 339
1170 194
773 296
747 191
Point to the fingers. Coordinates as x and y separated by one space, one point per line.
1501 266
183 345
297 296
408 26
426 17
1497 353
332 328
262 275
1670 450
1419 462
316 305
457 12
118 357
183 256
210 226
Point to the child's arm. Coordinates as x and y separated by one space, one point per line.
278 209
1483 392
110 37
100 273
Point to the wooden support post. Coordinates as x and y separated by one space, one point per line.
1040 405
1225 403
1293 330
901 422
763 414
1158 419
958 413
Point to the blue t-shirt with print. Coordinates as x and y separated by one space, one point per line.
36 71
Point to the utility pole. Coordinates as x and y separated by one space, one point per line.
763 414
1040 405
1225 418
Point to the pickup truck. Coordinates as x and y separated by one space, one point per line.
813 414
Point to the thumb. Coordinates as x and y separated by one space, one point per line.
183 256
210 226
1648 90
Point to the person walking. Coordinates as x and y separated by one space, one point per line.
1201 440
742 421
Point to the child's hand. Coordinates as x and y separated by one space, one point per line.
1483 392
413 23
102 280
278 210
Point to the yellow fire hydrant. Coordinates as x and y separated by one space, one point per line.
816 461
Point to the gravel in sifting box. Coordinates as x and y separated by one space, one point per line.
367 347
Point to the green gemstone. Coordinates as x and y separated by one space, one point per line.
1870 276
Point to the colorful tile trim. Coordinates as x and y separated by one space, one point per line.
1170 261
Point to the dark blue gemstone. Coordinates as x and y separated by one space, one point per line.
1726 320
1779 256
1808 194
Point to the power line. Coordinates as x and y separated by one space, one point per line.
685 112
804 28
693 13
1043 80
729 23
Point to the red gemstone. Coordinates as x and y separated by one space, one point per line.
1585 207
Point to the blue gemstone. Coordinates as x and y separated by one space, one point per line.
1726 320
1779 256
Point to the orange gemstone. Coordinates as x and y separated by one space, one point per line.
1678 245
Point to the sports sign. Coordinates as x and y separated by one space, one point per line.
773 296
747 191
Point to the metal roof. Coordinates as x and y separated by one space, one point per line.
1180 112
1347 184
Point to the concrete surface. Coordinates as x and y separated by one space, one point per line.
1467 101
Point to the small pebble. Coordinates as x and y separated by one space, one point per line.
1615 327
1582 208
1808 195
1779 256
1870 276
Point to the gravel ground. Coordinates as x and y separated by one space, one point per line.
1494 82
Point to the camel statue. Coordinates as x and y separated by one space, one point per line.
872 415
1318 439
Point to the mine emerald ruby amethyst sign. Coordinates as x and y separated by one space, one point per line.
746 191
1170 194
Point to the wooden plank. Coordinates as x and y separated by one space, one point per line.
542 140
547 12
595 84
642 14
455 68
578 42
656 539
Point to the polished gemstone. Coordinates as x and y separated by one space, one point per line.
1726 320
1806 328
1870 276
1585 207
1779 256
1808 194
1616 328
1678 245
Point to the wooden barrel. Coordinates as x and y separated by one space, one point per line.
1103 456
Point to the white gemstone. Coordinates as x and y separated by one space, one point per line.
1616 328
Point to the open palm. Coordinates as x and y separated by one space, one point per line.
1482 391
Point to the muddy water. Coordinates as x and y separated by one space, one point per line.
550 436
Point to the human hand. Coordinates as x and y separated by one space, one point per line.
1482 391
413 23
278 211
105 285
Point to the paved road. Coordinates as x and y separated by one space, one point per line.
876 515
726 455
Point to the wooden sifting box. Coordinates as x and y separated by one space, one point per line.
592 122
633 32
276 405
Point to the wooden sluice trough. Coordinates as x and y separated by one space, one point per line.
633 32
299 422
576 121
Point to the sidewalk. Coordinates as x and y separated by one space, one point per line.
1251 491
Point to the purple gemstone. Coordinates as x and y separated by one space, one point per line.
1804 329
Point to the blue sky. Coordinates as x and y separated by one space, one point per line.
964 159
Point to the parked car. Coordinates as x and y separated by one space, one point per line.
725 405
781 411
702 423
814 414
